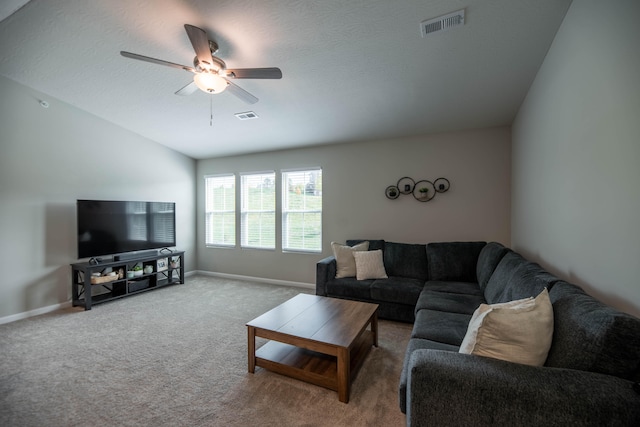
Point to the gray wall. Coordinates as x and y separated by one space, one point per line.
355 176
48 159
576 155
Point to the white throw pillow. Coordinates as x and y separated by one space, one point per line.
518 331
369 265
345 264
470 338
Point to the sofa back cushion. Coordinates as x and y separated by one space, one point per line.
488 260
591 336
454 261
516 278
406 260
373 244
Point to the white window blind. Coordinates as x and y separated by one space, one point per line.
220 210
302 210
258 210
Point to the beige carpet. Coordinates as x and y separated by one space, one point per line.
178 357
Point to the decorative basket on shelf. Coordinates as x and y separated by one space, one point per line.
96 280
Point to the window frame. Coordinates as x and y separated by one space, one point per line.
208 213
245 210
286 212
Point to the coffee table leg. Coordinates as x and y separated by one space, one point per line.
344 374
374 328
251 332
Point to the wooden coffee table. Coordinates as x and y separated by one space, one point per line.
315 339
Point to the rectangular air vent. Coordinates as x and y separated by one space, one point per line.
247 115
442 23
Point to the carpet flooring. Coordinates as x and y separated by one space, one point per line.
178 357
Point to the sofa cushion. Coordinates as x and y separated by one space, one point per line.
517 331
516 278
488 260
406 260
373 243
502 276
402 290
452 303
592 336
350 288
369 265
467 288
345 263
454 261
440 326
417 344
395 311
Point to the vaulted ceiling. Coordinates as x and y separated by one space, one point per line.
352 70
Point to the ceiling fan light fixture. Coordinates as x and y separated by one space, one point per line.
210 72
210 83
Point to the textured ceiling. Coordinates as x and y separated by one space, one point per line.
352 70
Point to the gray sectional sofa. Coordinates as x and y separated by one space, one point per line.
591 372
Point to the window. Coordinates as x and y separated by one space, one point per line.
258 209
302 210
220 210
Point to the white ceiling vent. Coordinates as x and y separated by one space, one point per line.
442 23
247 115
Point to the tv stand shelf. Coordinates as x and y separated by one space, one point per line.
85 293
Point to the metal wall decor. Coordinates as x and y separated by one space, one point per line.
422 191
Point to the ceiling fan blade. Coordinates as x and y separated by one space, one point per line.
241 93
200 43
254 73
155 61
188 89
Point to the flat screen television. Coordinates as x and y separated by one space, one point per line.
107 227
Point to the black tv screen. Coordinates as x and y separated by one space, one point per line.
107 227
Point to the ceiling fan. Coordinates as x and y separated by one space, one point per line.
211 73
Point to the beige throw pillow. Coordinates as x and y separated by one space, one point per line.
518 331
369 265
345 264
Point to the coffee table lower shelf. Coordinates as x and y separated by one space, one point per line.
311 366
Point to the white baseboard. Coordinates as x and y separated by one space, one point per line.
36 312
258 279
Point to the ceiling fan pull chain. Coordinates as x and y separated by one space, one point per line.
211 110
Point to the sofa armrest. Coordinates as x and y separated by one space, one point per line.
448 388
325 271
